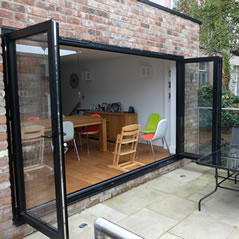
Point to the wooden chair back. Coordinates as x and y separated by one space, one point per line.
32 132
130 132
126 144
32 135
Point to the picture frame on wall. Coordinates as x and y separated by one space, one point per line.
87 75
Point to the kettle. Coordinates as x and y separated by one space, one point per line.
131 109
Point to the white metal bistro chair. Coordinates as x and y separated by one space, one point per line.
68 129
159 134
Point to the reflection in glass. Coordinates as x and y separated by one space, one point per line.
34 103
225 158
230 109
198 107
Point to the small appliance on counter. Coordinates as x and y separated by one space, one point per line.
131 109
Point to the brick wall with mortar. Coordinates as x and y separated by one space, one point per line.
125 23
191 114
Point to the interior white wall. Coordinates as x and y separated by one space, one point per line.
173 101
69 95
120 80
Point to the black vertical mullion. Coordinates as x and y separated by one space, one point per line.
63 211
217 94
180 104
9 138
57 126
15 126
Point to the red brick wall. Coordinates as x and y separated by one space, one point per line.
125 23
122 23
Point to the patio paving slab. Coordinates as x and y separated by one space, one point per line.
197 168
147 224
173 207
198 226
36 235
78 220
197 196
234 234
108 212
183 175
169 236
174 187
223 206
166 208
134 200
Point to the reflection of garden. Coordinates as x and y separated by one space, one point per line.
229 114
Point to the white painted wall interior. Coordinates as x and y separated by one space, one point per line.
120 80
69 95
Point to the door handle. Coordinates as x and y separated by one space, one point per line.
47 136
50 135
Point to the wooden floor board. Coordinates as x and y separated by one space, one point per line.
93 167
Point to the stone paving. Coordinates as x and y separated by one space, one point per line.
166 208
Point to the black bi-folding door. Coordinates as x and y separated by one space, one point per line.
35 125
37 159
199 90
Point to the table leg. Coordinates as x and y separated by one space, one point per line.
103 136
209 194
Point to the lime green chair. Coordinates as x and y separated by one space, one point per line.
152 124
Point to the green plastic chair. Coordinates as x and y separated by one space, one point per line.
152 124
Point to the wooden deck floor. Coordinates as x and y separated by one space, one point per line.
93 167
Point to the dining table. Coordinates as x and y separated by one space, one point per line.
78 122
225 159
83 120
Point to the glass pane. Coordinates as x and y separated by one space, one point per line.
35 116
203 65
225 158
198 109
230 110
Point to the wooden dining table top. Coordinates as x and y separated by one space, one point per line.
77 120
83 120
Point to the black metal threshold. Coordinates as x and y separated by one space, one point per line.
189 156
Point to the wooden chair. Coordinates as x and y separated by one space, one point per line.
126 144
30 135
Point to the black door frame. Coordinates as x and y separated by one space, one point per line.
217 95
11 84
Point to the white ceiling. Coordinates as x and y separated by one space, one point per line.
85 54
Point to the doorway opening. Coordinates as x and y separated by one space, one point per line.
112 84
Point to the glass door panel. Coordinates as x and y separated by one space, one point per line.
35 122
198 107
33 66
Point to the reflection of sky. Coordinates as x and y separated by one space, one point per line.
39 50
